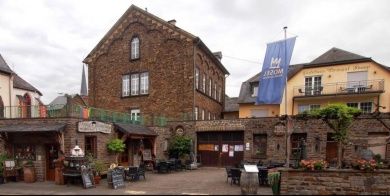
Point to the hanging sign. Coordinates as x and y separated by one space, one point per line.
93 127
147 155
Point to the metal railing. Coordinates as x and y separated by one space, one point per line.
77 111
341 88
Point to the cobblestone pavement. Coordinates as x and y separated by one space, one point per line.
203 181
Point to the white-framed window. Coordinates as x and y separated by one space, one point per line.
203 116
125 85
308 107
210 87
365 107
204 83
135 114
135 48
196 78
255 90
134 84
196 113
144 83
215 91
313 85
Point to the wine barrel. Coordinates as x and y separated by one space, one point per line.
249 183
29 174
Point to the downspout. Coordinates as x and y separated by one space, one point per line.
10 94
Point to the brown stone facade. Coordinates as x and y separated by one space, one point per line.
317 134
167 53
335 182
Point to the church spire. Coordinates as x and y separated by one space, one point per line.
83 90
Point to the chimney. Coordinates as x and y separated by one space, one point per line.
218 55
172 22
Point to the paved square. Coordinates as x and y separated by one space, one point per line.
201 181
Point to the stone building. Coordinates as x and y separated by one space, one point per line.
264 139
150 67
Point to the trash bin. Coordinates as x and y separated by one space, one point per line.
249 180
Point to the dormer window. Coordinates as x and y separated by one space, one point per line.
135 48
255 90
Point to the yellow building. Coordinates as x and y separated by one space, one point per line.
337 76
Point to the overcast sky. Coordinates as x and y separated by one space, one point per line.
45 41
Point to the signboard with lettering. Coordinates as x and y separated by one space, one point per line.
117 178
87 177
345 68
147 155
94 126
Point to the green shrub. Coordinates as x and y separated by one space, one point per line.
116 146
179 146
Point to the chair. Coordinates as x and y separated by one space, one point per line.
10 170
236 176
141 171
163 167
188 164
132 173
228 173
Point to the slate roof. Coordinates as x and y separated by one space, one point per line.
132 129
336 55
246 91
196 40
44 127
19 82
331 57
231 104
4 66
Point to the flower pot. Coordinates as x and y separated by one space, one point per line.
97 179
29 174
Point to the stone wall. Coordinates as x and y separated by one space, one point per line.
316 131
162 141
335 182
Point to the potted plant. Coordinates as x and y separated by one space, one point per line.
29 172
3 157
98 168
116 146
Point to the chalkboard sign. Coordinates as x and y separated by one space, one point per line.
87 177
117 180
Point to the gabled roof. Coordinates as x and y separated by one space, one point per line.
336 55
20 83
109 36
4 66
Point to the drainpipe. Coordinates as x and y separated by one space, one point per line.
11 79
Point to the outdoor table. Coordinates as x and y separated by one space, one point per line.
72 176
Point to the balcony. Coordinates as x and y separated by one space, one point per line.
76 111
340 88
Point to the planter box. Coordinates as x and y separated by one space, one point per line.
29 174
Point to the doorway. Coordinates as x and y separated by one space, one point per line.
51 155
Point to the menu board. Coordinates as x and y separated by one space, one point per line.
87 177
147 155
117 178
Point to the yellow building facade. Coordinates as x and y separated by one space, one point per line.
337 76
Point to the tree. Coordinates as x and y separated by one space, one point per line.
116 146
180 146
339 117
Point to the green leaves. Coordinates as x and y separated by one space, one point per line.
116 146
179 146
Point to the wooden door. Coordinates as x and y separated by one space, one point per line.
51 155
212 145
331 151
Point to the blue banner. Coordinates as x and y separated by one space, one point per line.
272 79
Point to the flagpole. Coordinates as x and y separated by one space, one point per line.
285 104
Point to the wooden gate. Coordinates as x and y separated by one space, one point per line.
221 148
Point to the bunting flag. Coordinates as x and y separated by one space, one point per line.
273 76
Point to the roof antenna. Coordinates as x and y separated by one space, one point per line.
146 9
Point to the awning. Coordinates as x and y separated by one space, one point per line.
134 129
20 128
